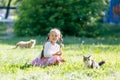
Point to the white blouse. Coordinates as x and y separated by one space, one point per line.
50 49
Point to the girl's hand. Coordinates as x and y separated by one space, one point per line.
58 53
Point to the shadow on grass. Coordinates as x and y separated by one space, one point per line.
13 68
26 65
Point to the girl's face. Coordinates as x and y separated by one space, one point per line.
53 37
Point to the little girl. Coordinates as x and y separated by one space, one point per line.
51 53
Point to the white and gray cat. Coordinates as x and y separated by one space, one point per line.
88 62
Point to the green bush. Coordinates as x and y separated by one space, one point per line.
72 17
103 30
112 30
2 27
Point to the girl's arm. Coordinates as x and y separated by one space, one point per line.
58 53
47 50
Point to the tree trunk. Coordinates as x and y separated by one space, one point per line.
7 9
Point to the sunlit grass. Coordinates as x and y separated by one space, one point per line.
108 49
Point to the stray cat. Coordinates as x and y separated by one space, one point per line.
26 44
88 62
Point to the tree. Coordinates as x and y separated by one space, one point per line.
7 10
71 16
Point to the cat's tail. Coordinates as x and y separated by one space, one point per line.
101 63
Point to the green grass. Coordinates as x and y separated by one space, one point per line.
108 49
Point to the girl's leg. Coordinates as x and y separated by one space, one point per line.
36 62
54 60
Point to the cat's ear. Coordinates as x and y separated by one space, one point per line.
89 56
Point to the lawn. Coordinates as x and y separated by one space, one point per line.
108 49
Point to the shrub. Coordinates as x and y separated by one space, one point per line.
71 16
